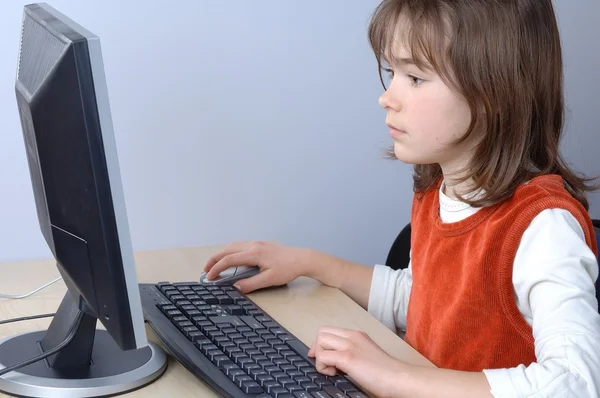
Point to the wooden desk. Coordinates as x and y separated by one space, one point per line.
302 307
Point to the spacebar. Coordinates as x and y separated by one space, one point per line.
299 347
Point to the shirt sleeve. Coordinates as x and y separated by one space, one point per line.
388 297
554 274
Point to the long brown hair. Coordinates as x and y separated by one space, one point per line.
503 57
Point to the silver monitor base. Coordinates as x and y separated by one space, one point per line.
112 371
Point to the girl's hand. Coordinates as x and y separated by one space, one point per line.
355 354
278 264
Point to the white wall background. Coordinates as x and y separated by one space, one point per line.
255 120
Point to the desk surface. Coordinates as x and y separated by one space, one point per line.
314 305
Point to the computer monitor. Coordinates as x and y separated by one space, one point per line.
70 147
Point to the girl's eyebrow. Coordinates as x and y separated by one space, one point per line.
406 61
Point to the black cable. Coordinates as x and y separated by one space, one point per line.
26 318
53 351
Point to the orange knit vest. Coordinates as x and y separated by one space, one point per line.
462 312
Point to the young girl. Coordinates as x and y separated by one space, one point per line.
499 293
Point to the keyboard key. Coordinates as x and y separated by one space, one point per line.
310 387
267 351
211 313
224 299
251 322
244 361
280 361
244 329
294 358
241 379
241 342
230 351
221 340
267 364
357 394
194 336
302 394
202 341
231 320
321 381
238 354
208 347
286 352
302 380
213 354
302 365
234 310
252 366
345 387
293 387
285 381
210 299
229 368
246 347
271 386
251 387
222 360
236 296
264 379
166 307
271 339
255 372
253 353
272 356
173 313
189 329
278 392
334 392
256 340
292 372
234 374
320 394
199 318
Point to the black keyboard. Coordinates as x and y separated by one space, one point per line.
226 340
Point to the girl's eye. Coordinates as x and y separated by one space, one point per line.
389 72
416 81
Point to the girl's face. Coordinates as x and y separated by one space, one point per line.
425 116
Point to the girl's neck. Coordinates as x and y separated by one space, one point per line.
454 187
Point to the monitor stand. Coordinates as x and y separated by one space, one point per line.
91 365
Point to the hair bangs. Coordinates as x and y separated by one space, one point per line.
422 32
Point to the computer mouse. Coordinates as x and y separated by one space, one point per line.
230 275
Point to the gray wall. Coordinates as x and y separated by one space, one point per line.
233 120
579 24
254 120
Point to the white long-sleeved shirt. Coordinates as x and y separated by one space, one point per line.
553 276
